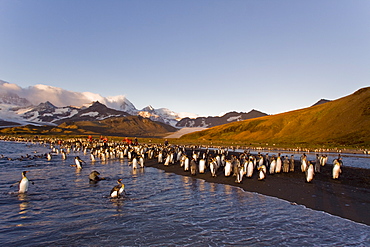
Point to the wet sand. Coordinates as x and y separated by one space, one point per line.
348 197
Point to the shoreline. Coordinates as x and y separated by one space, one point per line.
348 197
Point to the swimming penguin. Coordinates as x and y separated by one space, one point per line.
310 172
24 183
78 162
118 189
48 156
94 177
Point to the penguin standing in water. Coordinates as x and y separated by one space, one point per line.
118 189
78 162
24 183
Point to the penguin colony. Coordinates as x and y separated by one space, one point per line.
217 161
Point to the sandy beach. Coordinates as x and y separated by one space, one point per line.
348 197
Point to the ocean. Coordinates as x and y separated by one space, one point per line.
160 209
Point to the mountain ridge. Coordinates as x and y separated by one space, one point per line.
342 121
47 105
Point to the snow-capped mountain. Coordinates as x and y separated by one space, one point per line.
163 115
59 97
47 104
45 112
42 104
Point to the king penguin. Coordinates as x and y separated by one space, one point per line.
336 168
78 162
24 183
262 170
118 189
310 172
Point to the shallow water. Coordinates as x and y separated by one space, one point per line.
162 209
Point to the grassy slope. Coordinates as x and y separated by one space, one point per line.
345 121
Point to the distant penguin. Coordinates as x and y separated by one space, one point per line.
228 168
92 157
24 183
134 163
239 174
186 164
286 164
310 172
78 162
323 160
202 166
262 172
272 165
167 160
48 156
304 162
291 163
213 168
141 161
64 155
160 157
250 168
317 164
337 168
193 167
117 190
278 164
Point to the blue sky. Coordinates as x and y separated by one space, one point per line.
203 57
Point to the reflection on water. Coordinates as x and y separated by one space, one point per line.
24 203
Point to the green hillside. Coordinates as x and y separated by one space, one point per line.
345 121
